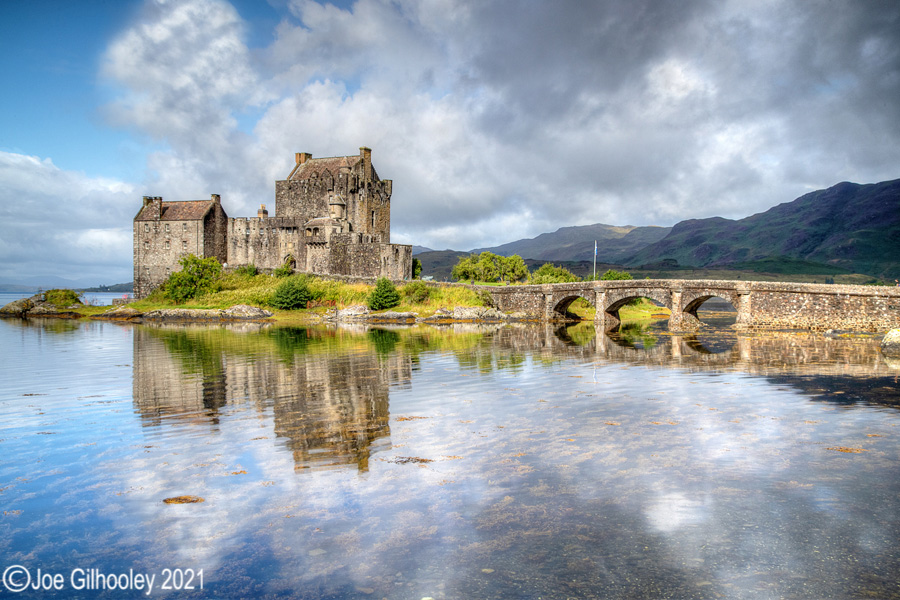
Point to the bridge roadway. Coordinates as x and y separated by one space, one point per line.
759 304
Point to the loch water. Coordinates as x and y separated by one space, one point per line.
466 461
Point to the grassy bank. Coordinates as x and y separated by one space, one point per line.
258 290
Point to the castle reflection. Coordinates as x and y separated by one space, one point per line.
328 412
326 390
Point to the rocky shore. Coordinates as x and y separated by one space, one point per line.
36 307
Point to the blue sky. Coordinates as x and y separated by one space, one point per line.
496 120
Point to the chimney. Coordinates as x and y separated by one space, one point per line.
302 157
155 204
214 197
262 213
366 154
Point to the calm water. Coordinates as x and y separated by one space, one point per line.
470 462
92 298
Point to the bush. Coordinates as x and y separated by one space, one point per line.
197 276
291 294
489 267
247 271
385 295
285 270
416 292
613 275
61 298
550 273
417 268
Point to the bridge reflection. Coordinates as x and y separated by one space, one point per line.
324 393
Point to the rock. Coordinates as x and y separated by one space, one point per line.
390 315
120 313
357 311
477 313
890 345
17 308
184 314
43 310
244 311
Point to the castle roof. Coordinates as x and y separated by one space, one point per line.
188 210
314 167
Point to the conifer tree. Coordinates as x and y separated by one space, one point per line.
385 295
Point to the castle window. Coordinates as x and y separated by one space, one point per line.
167 245
146 245
146 227
373 219
184 226
167 228
184 245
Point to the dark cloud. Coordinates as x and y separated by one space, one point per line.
502 120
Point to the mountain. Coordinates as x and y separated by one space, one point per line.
44 282
420 249
849 227
614 243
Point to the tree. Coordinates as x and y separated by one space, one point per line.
197 276
417 268
291 294
512 268
550 273
465 269
489 267
385 295
613 275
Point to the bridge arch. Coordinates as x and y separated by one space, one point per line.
616 298
692 301
561 303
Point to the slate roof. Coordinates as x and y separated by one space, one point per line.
316 166
189 210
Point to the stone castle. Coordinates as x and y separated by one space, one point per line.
332 217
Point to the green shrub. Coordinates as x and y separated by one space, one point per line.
416 292
247 271
385 295
197 276
550 273
61 298
417 268
485 298
613 275
285 270
291 294
489 267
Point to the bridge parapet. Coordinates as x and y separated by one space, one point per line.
759 304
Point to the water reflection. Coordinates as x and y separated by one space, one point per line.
329 413
462 462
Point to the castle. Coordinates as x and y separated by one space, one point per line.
332 217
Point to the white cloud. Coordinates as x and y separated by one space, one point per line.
64 223
500 121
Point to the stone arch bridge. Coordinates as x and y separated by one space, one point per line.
758 304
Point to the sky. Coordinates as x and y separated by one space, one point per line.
495 120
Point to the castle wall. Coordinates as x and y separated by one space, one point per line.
265 242
159 245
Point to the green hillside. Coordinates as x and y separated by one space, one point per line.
847 228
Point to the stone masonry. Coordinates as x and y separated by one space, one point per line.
332 217
759 304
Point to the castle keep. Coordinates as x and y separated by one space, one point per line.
332 217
